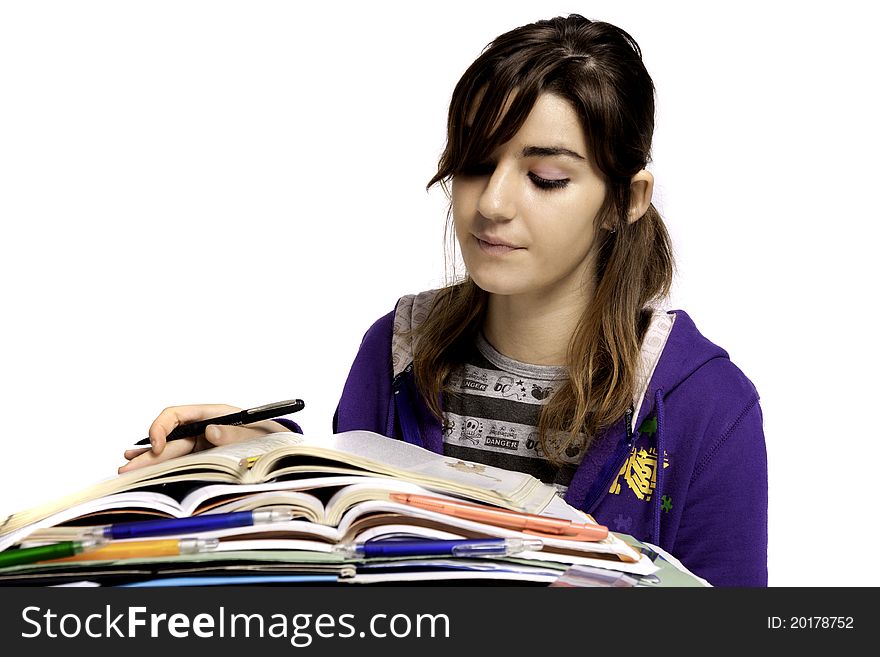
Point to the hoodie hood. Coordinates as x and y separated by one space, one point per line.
685 351
669 357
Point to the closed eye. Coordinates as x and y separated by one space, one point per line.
486 169
546 183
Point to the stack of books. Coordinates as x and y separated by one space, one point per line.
350 508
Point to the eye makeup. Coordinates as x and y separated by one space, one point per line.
542 180
547 183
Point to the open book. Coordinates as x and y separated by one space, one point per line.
357 509
285 455
337 494
327 511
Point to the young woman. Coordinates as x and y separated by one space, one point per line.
550 357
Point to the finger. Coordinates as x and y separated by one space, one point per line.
173 449
131 453
202 444
270 426
217 434
174 416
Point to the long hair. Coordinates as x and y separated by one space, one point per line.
598 69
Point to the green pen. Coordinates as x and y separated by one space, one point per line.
16 557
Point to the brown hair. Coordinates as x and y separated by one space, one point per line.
598 68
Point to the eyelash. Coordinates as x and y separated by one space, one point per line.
538 181
545 184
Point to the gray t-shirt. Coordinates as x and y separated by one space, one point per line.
493 416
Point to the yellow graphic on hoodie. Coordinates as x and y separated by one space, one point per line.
640 473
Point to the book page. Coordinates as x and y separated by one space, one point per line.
289 529
445 575
195 500
559 508
301 505
387 456
273 544
131 500
127 481
389 530
256 446
612 546
219 464
406 532
371 488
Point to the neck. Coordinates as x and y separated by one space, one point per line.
534 329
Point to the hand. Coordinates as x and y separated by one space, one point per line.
215 434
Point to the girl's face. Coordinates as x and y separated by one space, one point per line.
525 219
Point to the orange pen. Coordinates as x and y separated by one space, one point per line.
140 549
525 522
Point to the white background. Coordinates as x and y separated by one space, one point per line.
212 201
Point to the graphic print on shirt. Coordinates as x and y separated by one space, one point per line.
623 523
509 387
492 412
533 444
471 431
639 471
502 436
475 380
541 392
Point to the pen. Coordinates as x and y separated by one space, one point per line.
579 575
524 522
139 549
458 548
267 412
189 525
16 557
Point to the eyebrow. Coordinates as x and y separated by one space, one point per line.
536 151
550 151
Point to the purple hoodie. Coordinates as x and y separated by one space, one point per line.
707 506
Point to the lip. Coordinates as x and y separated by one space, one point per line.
490 241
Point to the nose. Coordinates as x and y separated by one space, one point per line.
497 198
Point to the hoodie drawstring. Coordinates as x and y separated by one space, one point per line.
658 489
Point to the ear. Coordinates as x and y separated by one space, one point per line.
641 189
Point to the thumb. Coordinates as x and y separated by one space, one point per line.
218 434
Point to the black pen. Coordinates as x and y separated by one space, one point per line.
267 412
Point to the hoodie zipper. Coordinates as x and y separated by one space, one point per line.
405 413
620 455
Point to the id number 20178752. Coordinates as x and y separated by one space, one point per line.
810 623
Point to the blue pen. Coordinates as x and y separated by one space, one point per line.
194 524
458 548
230 580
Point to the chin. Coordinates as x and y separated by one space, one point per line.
497 283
